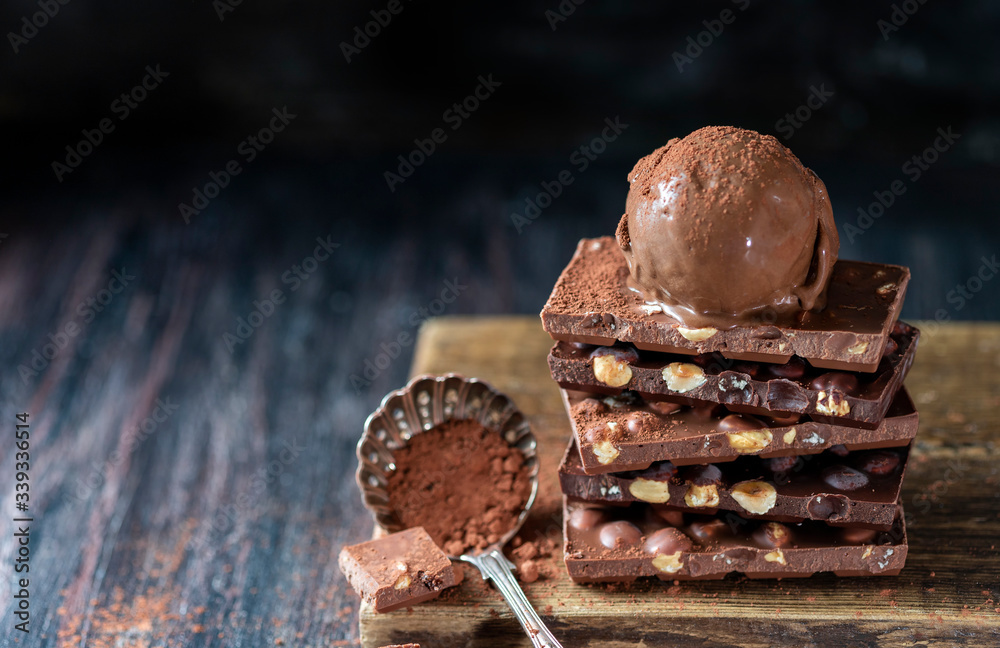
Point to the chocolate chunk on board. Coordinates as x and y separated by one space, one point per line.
750 387
619 433
591 303
837 487
613 544
398 570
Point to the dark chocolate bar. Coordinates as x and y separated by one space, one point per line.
398 570
837 487
618 433
592 304
749 387
619 544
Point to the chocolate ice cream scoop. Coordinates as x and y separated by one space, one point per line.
725 227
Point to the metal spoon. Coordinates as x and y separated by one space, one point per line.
427 401
494 566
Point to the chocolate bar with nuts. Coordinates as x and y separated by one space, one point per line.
749 387
625 432
398 570
838 487
592 304
614 544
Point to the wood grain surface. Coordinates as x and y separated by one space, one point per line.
948 594
215 518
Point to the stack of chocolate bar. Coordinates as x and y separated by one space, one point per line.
771 443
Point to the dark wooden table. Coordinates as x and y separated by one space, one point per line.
191 479
183 494
946 595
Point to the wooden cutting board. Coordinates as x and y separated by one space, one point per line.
948 594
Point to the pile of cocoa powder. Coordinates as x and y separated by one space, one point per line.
460 481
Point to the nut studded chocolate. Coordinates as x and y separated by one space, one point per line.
622 433
755 388
735 388
841 488
592 303
619 544
398 570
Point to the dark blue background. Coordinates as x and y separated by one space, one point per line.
892 89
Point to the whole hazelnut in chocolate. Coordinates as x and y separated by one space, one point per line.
794 368
772 535
857 535
782 419
781 464
664 408
666 541
621 534
828 507
726 227
840 450
706 531
586 518
843 478
740 423
841 381
878 462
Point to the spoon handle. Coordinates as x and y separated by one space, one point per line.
495 567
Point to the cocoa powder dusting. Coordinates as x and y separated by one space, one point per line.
602 280
733 150
460 481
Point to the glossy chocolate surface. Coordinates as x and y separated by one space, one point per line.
707 547
749 387
398 570
800 484
625 432
592 303
726 225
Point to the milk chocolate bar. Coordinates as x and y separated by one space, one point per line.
625 432
840 488
620 544
398 570
749 387
592 303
